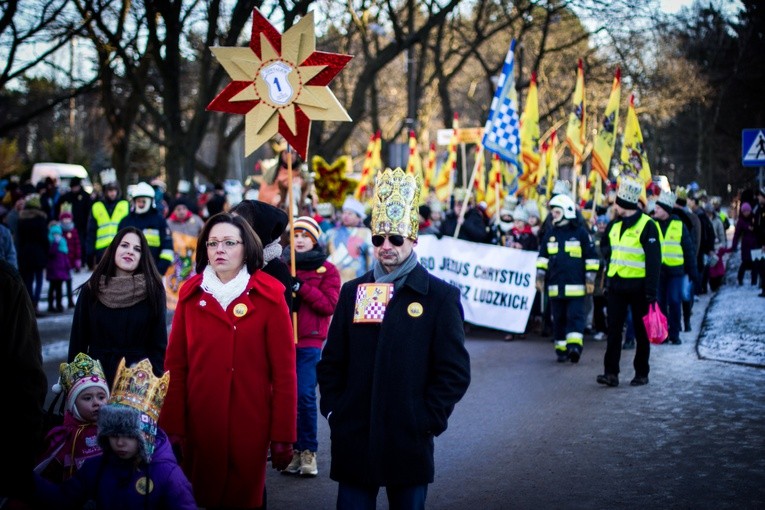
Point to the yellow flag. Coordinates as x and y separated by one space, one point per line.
446 176
479 183
414 164
634 158
576 130
606 138
530 131
366 170
552 163
496 178
430 168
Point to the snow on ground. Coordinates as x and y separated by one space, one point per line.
734 327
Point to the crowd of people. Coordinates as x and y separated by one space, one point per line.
260 320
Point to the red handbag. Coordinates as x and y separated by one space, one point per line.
656 324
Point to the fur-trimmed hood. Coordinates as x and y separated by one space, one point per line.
121 420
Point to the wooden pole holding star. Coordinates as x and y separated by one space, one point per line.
279 82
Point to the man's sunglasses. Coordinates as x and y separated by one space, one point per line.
395 240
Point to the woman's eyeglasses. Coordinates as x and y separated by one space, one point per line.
227 244
395 240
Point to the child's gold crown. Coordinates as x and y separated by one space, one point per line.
83 366
139 388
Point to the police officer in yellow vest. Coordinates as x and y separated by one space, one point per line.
146 218
678 257
569 262
632 248
105 217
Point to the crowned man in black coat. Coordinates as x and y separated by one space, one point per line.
394 364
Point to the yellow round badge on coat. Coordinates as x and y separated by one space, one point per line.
322 269
240 310
144 486
414 309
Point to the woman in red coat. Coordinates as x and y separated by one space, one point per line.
231 357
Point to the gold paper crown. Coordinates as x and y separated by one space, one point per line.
139 388
83 366
395 209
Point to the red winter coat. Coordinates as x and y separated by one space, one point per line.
233 389
318 294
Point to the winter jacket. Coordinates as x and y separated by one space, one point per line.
191 226
32 250
473 226
567 253
721 241
154 228
20 360
233 388
109 334
81 204
745 233
649 240
92 235
7 247
318 295
390 387
68 446
58 256
75 249
689 259
117 484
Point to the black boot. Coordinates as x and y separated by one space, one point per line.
687 316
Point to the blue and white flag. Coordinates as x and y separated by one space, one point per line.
501 134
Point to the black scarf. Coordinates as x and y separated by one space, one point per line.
310 260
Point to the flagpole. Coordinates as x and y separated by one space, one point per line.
575 177
596 192
293 269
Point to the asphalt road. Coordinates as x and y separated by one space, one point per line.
534 434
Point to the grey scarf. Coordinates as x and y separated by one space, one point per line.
398 275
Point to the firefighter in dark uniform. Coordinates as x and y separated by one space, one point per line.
567 258
146 218
632 248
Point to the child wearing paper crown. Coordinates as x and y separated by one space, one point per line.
317 289
76 440
137 468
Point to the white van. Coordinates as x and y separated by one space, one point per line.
62 173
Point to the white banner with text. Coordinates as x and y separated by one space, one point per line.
496 283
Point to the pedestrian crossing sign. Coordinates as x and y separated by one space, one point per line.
753 147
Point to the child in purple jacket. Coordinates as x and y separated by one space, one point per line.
58 269
138 468
74 246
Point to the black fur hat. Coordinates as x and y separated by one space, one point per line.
124 421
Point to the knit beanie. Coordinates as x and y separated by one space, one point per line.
309 226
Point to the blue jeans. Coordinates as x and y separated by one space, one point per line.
307 358
670 301
353 497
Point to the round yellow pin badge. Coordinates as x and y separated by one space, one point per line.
414 309
142 487
240 310
321 269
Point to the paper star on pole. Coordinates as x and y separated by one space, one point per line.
279 83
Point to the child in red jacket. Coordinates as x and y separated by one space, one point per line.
317 290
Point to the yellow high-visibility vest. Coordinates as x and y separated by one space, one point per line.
107 225
627 254
671 247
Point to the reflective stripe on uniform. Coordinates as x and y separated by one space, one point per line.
591 264
671 245
108 225
574 338
560 345
152 237
627 254
542 263
573 290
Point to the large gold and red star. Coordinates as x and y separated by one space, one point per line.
279 83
